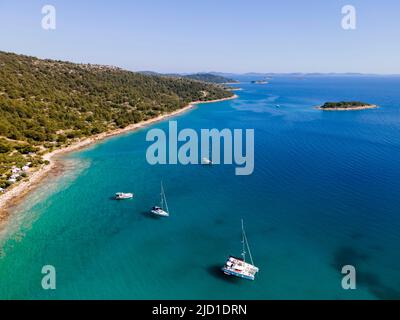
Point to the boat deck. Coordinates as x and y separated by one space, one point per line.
238 267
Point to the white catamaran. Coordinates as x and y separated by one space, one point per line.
162 210
238 267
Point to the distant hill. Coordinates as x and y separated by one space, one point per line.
298 74
153 73
209 77
45 103
205 77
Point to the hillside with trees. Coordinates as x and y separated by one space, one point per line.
211 78
46 104
204 77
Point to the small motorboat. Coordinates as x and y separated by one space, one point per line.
123 196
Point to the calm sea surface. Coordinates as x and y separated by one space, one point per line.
325 193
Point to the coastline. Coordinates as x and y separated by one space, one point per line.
373 106
17 194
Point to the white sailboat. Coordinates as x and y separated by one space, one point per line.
162 210
238 267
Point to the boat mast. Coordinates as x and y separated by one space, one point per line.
243 243
164 199
246 243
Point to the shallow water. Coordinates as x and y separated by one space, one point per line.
324 193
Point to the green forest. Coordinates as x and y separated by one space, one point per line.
47 104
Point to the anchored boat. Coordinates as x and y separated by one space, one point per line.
238 267
123 196
206 161
162 210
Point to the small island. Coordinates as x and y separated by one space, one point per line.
346 105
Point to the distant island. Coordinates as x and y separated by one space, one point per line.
347 105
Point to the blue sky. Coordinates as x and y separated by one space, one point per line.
209 35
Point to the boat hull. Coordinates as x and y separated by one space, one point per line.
160 213
237 274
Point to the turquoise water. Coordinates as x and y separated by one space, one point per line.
324 193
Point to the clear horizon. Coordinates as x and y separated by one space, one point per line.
181 37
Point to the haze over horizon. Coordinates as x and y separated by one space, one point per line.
224 36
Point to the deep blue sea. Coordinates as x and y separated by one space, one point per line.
325 193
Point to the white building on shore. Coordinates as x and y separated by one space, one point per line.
15 170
